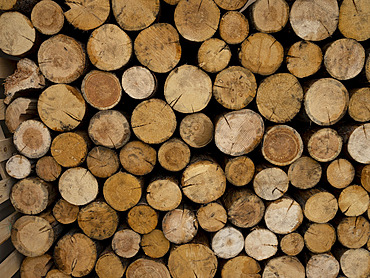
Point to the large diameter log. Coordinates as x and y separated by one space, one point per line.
261 244
34 267
164 194
340 173
353 200
109 265
359 107
292 244
234 27
47 17
139 82
365 177
324 144
18 167
239 170
358 145
322 266
65 212
20 110
284 266
227 243
126 243
197 130
353 232
212 217
146 268
214 55
142 219
319 238
230 4
304 173
241 266
355 263
155 244
102 162
174 155
271 183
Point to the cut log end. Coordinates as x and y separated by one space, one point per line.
47 17
164 194
174 155
292 244
212 217
139 82
240 170
234 27
126 243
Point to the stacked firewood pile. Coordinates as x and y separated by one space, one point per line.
191 138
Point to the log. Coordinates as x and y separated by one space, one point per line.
126 243
322 266
164 194
241 266
304 173
109 47
234 27
353 232
314 20
153 121
358 107
47 17
239 170
20 110
261 53
353 200
227 243
282 145
212 217
234 87
139 82
78 186
18 167
34 267
145 268
270 183
355 262
230 4
109 265
358 145
319 238
158 47
174 154
196 130
154 244
142 219
138 158
365 177
48 169
324 144
214 55
367 68
62 59
190 17
340 173
292 244
284 266
56 273
102 162
65 212
172 2
261 244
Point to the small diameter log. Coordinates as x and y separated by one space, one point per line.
56 273
359 105
292 244
18 167
340 173
261 53
326 101
353 19
284 266
234 27
230 4
20 110
87 15
283 216
138 158
214 55
158 47
122 191
270 16
304 59
212 217
261 244
324 145
322 266
227 243
315 20
346 52
48 169
235 87
32 195
190 17
241 266
61 107
33 267
244 208
359 144
319 238
154 244
62 59
17 34
239 132
353 200
196 130
139 82
126 243
102 162
78 186
282 145
153 121
203 181
239 170
163 194
174 155
75 254
32 139
65 212
146 268
142 219
179 226
47 17
271 184
353 232
355 263
365 178
304 173
109 265
188 89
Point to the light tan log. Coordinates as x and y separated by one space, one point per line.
227 243
315 20
138 158
196 130
20 110
190 17
192 260
270 183
304 173
174 155
32 139
353 200
62 59
244 208
292 244
241 266
235 87
283 216
261 244
212 217
179 226
61 107
56 273
234 27
33 267
154 244
135 15
48 169
214 55
230 4
32 195
239 170
284 266
326 101
270 16
353 232
353 19
261 53
139 82
126 243
324 144
109 47
65 212
365 177
47 17
87 15
282 145
17 34
319 238
239 132
145 268
355 263
109 265
322 266
359 107
122 191
75 254
358 145
18 167
340 173
153 121
102 162
304 59
203 181
142 218
78 186
158 47
164 194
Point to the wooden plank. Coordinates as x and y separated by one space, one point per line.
2 110
6 226
6 149
5 187
11 264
